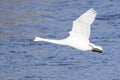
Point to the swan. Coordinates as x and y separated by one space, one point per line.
79 35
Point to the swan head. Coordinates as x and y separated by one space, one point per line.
37 39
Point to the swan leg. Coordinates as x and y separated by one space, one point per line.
96 50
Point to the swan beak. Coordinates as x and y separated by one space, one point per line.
33 39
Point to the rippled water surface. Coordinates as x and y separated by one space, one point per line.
23 59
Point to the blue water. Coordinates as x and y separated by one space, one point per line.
23 59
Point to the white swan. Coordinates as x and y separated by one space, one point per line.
79 35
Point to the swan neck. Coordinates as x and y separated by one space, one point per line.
53 41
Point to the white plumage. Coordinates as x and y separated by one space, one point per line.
81 26
80 33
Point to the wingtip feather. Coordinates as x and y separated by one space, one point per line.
93 10
87 17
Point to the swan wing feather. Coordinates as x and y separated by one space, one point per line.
81 26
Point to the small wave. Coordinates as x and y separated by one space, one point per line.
109 17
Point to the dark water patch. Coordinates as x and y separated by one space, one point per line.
41 78
14 39
79 67
18 51
27 43
30 77
102 19
48 16
1 43
40 64
109 17
50 57
116 79
115 16
63 64
44 28
52 36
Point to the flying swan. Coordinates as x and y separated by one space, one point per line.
80 34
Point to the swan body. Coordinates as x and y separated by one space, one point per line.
80 34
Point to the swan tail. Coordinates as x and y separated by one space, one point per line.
37 39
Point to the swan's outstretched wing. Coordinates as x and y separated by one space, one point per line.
81 26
